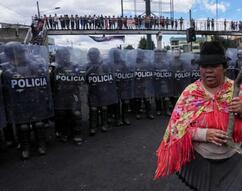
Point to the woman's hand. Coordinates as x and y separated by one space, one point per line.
216 136
235 105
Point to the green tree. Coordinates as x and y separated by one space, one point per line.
129 47
167 47
143 44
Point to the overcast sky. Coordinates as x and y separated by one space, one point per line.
20 11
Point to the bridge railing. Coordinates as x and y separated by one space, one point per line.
10 25
146 23
203 25
28 36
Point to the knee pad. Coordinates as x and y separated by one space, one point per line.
39 124
93 109
125 101
104 108
77 114
24 127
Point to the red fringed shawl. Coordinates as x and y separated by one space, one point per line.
195 108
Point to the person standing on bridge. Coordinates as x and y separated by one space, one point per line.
72 19
225 24
56 26
62 22
67 22
50 20
212 24
77 22
194 144
181 23
208 24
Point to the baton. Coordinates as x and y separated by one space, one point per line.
231 122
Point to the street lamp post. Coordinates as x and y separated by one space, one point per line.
122 8
38 9
216 14
148 12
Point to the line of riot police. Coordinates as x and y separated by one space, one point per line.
86 90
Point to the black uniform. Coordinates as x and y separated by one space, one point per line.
181 69
67 79
124 84
27 95
3 121
102 90
143 83
234 62
163 81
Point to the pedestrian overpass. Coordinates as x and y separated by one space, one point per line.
22 33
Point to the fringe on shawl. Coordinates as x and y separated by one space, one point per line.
173 156
220 120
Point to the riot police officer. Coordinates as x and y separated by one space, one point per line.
2 55
181 68
143 83
3 121
124 83
238 62
101 92
27 95
67 78
195 73
233 58
162 81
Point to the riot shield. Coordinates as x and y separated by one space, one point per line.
101 81
67 78
3 58
36 50
2 107
143 74
231 54
162 75
79 58
1 47
27 92
238 61
195 72
181 67
122 73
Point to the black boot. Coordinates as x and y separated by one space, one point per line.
93 120
137 108
11 137
148 109
125 113
40 135
158 106
61 125
24 139
76 131
166 107
118 121
104 119
2 140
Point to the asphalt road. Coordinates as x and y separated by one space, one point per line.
120 160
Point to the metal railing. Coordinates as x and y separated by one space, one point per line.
144 23
28 36
10 25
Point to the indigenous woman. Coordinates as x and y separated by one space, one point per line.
195 142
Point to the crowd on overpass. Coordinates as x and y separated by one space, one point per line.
94 22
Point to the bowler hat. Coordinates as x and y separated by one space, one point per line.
212 54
